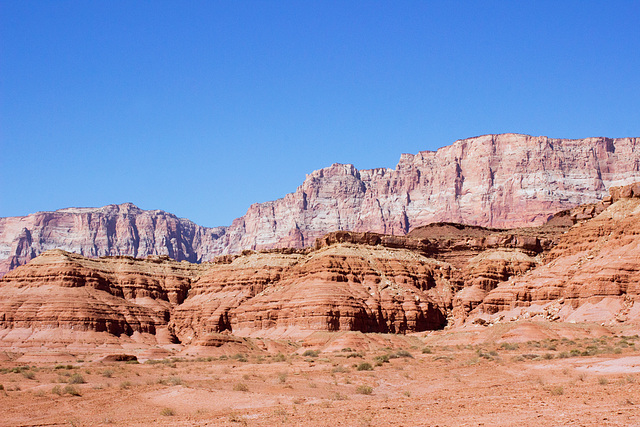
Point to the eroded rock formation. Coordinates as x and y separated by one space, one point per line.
593 272
502 181
118 295
108 231
341 287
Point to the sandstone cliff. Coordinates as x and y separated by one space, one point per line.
593 273
117 295
111 230
502 181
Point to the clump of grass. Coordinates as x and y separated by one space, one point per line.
63 367
311 353
56 390
404 353
73 391
279 358
556 391
485 355
239 357
365 366
235 418
346 350
175 381
350 355
167 412
379 360
427 350
603 381
339 369
407 393
240 387
509 346
76 379
339 396
125 385
107 373
282 377
30 375
364 389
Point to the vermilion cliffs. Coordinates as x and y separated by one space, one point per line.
447 319
111 230
504 181
583 264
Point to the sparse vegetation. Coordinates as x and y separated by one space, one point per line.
71 390
76 379
365 366
556 391
167 412
364 389
240 387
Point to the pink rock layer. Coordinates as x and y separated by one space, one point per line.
506 180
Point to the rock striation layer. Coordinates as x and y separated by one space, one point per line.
108 231
592 274
341 287
503 181
117 295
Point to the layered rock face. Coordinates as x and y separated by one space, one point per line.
118 295
494 180
504 180
111 230
593 273
341 287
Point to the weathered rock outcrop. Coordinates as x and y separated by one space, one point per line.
593 272
341 287
503 181
111 230
118 295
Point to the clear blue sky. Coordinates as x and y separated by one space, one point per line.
203 108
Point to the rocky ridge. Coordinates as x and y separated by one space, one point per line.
366 282
117 295
592 274
108 231
505 181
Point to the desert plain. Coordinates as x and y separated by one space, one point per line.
528 373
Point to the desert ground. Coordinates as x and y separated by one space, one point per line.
524 373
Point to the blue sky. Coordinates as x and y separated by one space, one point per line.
203 108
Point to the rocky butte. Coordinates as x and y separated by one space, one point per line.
505 181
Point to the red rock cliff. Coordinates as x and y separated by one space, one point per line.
504 181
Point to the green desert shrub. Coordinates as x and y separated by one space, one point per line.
364 389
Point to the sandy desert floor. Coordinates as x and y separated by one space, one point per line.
414 381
